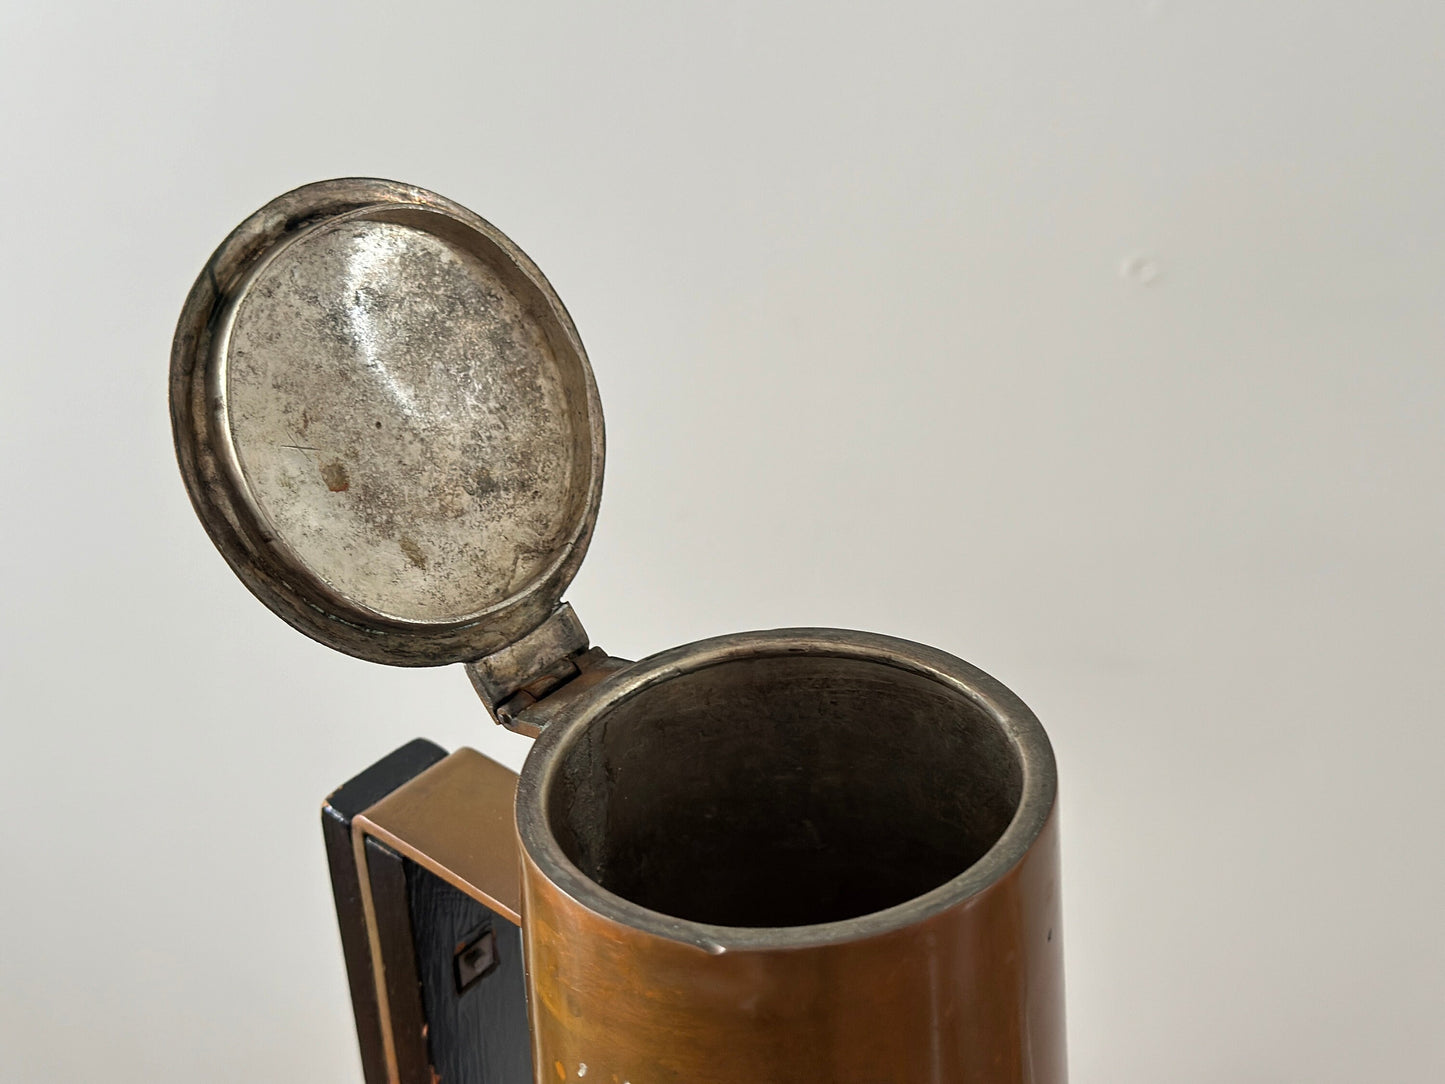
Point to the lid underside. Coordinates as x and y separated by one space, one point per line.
401 451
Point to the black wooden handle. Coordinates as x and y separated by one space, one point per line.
451 990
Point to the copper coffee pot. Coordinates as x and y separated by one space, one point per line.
804 855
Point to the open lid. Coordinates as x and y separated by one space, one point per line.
387 423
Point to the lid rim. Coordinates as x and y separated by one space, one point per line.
240 526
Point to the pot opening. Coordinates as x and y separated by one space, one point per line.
784 790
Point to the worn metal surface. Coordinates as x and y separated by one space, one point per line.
546 654
456 820
529 712
387 422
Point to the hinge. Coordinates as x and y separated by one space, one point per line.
518 683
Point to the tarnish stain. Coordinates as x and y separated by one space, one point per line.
413 552
434 379
335 476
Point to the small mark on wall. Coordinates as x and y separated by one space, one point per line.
1140 268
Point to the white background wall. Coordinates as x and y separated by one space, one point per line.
1101 344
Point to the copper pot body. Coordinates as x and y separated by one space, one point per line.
738 866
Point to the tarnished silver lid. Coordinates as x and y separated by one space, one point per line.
387 423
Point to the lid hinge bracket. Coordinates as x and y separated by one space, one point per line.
521 683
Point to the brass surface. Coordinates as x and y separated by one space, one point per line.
378 966
971 995
457 820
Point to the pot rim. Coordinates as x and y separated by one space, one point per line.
1019 725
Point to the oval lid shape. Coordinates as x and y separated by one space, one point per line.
387 422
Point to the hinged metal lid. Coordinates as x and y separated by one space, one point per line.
387 423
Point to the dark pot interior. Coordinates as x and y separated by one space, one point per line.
784 791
